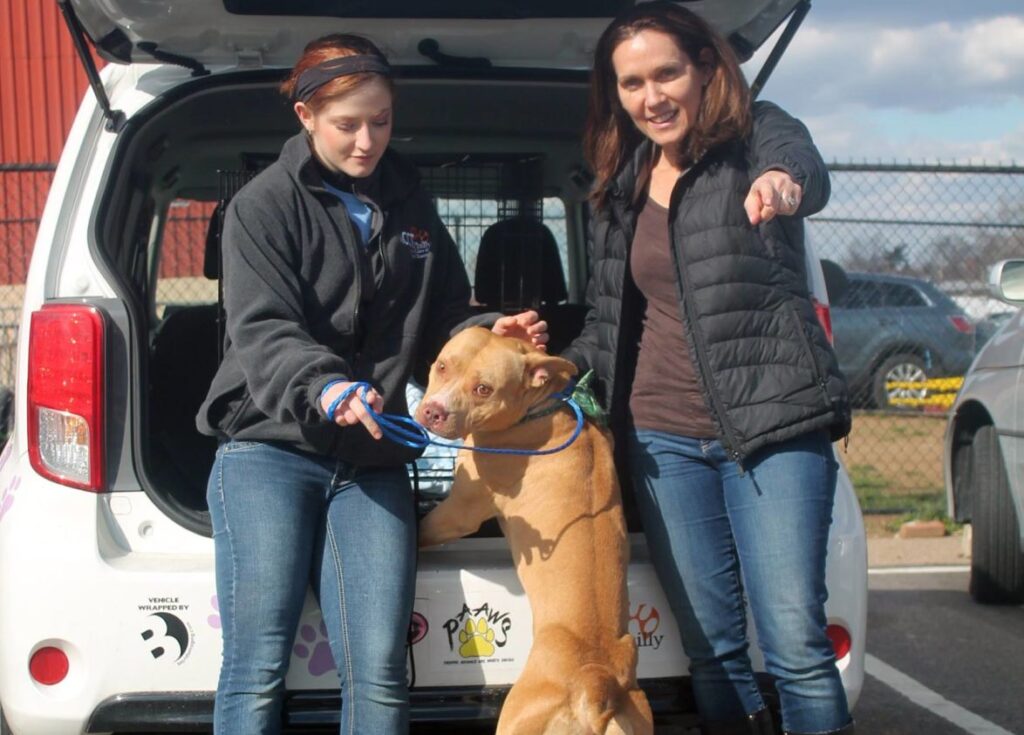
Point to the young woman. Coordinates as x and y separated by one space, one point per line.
723 388
336 269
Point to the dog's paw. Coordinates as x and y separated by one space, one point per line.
477 639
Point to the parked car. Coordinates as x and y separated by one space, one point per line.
895 333
986 327
984 451
108 611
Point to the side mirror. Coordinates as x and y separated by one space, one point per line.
1006 281
836 281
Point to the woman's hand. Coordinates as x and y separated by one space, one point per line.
351 411
772 193
526 326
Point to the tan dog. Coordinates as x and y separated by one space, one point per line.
562 516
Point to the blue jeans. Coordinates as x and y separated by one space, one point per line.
718 534
283 520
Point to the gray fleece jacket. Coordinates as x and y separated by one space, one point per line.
306 303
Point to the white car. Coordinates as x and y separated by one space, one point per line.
108 612
984 451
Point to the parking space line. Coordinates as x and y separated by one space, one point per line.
932 701
947 569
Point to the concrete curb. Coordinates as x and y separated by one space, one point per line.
901 552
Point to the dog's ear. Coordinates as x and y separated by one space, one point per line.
543 369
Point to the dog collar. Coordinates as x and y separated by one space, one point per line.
579 392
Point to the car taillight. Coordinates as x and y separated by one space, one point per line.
962 324
65 395
824 316
840 638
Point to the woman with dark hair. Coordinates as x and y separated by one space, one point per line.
337 269
723 388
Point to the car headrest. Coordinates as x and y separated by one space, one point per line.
518 266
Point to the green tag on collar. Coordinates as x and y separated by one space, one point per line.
587 401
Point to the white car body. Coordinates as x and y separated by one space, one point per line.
127 593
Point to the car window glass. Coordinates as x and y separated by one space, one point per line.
895 294
180 277
861 294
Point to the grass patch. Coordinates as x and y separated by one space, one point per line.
895 464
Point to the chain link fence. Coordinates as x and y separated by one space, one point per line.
915 243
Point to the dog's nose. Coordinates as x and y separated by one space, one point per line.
433 414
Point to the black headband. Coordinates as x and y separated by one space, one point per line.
317 76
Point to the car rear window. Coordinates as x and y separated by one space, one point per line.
869 294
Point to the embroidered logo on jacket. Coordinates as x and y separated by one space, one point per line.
417 240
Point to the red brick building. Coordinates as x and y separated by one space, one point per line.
41 86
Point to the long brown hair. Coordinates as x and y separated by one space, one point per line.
325 48
611 137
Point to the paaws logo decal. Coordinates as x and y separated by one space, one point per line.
644 624
417 240
477 632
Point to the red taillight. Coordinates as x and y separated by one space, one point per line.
48 665
824 316
840 638
962 324
65 395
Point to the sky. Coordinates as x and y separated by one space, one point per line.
898 80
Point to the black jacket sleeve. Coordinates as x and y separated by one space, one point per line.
780 141
285 368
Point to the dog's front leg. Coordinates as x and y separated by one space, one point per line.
467 506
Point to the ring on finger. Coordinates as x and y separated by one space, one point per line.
789 200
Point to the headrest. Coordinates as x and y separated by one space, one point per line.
518 266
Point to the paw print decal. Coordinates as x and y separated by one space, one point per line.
7 497
477 639
315 649
213 620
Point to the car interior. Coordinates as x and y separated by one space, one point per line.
505 173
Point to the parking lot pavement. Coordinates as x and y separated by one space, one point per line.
937 662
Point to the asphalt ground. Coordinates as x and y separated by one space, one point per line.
937 661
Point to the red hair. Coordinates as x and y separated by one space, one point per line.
325 48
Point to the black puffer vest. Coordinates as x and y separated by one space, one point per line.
766 368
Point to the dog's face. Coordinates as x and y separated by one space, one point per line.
481 381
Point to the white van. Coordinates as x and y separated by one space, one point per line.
108 612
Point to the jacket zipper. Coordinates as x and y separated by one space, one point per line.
349 239
686 307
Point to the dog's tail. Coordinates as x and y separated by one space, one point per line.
596 698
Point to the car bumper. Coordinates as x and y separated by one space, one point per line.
87 573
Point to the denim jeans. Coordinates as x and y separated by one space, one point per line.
283 520
720 533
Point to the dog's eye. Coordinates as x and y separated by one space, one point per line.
439 366
483 390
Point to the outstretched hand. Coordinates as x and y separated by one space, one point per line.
772 193
526 326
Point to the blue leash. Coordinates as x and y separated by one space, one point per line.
404 430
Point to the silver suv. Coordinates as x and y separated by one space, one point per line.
984 451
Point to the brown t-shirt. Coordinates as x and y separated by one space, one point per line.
666 395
